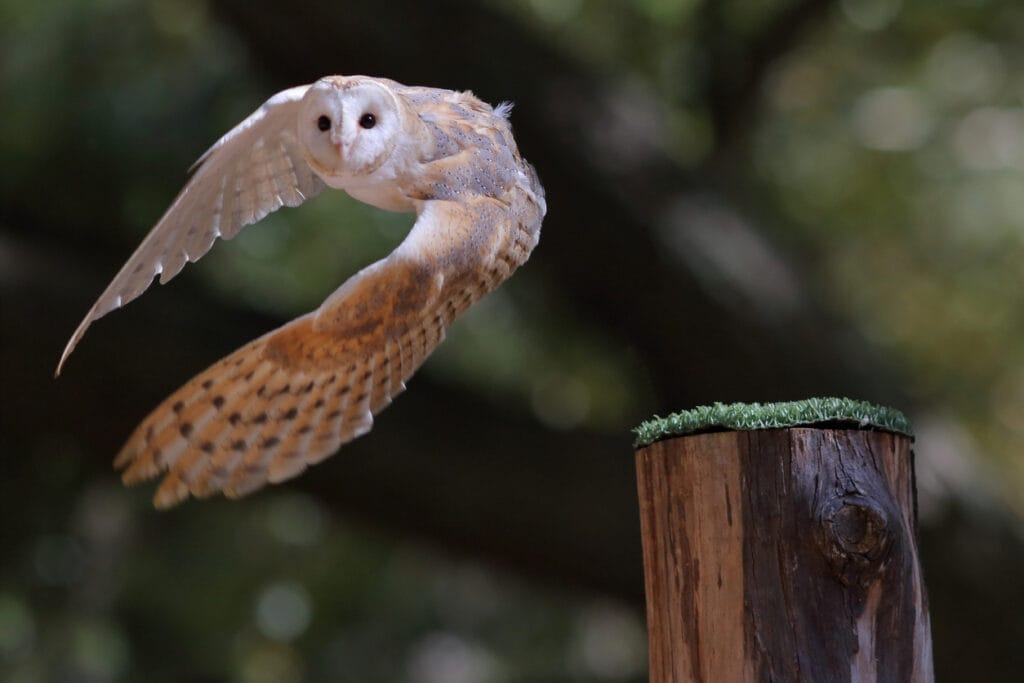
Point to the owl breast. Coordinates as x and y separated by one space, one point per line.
383 195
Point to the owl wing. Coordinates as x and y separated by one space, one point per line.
253 170
292 397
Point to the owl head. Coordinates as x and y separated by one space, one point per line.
350 127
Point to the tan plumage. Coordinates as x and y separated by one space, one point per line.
292 397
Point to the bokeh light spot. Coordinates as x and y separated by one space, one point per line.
283 611
447 658
870 15
891 119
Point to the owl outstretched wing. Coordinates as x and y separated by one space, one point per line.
256 168
293 397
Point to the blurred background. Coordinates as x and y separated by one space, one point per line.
747 201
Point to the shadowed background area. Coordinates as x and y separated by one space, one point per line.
747 202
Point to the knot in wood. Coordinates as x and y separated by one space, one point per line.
855 537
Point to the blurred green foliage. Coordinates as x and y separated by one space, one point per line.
130 83
889 145
313 600
893 143
888 148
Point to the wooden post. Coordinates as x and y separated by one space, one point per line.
783 555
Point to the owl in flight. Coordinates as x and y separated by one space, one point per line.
292 397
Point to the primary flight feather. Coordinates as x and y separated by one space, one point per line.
292 397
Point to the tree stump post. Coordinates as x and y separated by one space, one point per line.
785 553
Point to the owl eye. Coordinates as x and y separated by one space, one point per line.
367 121
323 123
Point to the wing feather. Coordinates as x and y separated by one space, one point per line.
253 170
291 398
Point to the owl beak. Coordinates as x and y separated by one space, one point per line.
338 143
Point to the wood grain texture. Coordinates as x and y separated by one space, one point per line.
783 555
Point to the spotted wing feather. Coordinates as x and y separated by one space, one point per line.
293 397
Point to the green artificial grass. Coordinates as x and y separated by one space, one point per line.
841 412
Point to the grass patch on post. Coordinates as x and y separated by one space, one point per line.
831 412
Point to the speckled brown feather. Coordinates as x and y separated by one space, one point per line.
291 398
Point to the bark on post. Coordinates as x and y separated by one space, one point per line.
784 554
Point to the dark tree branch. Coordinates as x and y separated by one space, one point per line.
736 72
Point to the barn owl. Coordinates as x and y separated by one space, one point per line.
292 397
